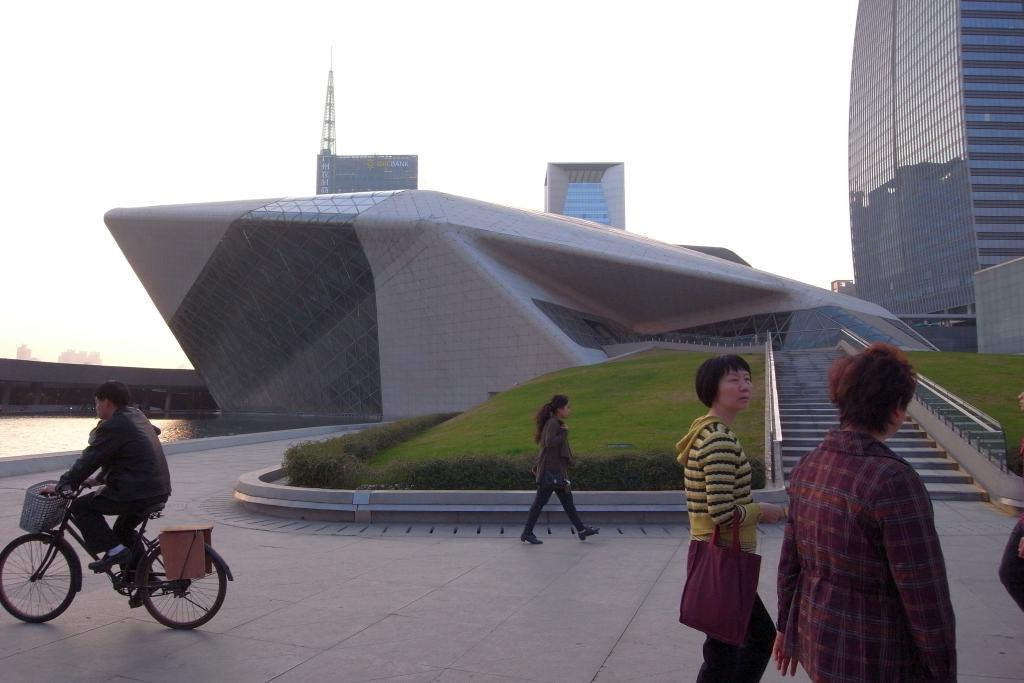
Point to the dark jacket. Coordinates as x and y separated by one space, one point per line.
126 450
555 454
863 594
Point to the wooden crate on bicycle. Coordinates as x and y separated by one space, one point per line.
183 550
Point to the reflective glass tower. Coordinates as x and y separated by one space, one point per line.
593 192
935 149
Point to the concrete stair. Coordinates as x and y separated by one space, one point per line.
807 415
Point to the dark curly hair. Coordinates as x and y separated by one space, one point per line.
546 411
868 387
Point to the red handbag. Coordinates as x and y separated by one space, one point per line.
721 584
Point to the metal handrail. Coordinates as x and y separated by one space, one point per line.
989 440
976 415
772 417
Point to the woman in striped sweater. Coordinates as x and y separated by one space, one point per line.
717 476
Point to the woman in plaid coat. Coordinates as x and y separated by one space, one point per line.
862 587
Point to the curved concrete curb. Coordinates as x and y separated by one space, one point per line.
259 491
48 462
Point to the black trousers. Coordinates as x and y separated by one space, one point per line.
1011 569
543 496
87 512
724 663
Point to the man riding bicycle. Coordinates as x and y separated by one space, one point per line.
133 470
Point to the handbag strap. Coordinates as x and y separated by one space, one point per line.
735 533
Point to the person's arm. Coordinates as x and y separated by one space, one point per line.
552 435
918 569
104 443
720 456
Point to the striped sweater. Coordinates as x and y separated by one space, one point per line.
717 477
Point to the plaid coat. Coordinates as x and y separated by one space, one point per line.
862 586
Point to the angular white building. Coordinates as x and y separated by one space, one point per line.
410 302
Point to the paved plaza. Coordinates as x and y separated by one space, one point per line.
318 601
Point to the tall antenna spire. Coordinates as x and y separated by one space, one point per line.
327 137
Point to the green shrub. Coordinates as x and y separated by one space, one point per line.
322 470
617 472
339 463
463 472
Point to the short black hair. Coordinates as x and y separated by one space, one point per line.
711 372
114 391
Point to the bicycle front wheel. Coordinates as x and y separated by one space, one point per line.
184 603
38 577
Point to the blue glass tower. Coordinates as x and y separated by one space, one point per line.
593 192
935 149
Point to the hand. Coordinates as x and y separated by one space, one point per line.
1020 549
49 490
783 662
772 513
90 482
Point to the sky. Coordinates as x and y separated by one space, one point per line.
731 119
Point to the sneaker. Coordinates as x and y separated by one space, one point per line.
587 531
107 561
530 538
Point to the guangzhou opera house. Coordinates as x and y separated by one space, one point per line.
389 304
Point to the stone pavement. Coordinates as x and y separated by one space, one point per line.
315 601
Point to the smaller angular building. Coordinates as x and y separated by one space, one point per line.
411 302
593 192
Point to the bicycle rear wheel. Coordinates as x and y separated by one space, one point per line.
38 577
184 603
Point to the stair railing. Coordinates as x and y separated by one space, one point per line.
977 428
772 419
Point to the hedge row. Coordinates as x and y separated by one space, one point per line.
616 472
340 463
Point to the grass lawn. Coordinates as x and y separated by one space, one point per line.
646 402
990 382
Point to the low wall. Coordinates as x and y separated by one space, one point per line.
262 491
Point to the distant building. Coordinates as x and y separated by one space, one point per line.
844 287
593 192
936 135
717 252
364 173
370 173
24 353
999 291
80 357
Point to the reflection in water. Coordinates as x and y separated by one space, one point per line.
27 435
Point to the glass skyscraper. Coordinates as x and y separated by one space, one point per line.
935 149
593 192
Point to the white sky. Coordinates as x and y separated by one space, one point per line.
731 119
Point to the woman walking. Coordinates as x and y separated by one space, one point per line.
717 475
553 460
862 586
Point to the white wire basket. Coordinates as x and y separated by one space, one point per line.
39 512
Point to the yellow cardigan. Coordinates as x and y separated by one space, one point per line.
717 478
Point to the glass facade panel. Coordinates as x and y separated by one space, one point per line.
788 330
936 113
586 201
283 317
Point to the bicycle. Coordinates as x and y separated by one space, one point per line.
40 574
